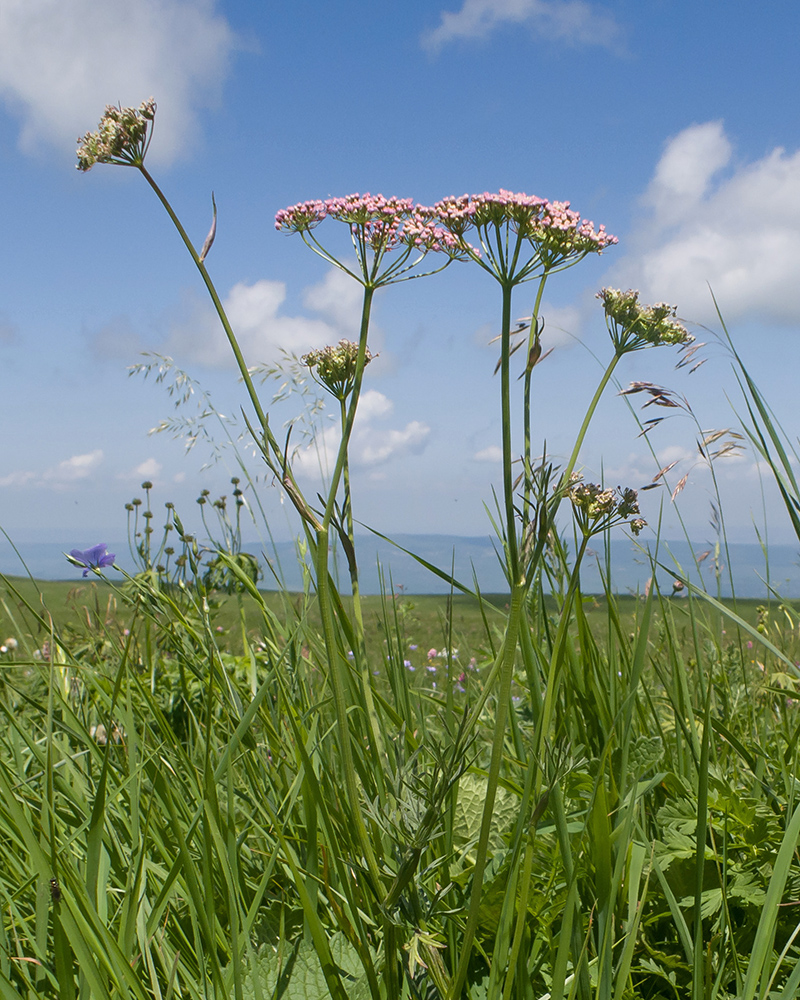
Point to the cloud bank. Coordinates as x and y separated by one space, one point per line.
61 63
262 331
60 476
370 444
572 21
710 221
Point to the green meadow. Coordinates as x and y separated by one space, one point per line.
209 791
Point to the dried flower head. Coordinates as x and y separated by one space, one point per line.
597 508
336 366
521 236
633 326
122 137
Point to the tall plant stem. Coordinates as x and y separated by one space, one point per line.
338 664
212 291
339 667
505 409
573 458
533 338
361 643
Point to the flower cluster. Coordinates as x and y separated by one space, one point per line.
598 509
634 326
555 233
382 223
377 224
122 137
336 366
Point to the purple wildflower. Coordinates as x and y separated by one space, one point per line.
97 557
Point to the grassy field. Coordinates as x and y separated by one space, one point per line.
426 621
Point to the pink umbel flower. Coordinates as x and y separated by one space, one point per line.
378 226
521 236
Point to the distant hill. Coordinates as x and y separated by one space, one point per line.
470 558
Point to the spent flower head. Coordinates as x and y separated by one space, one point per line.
597 509
122 137
521 236
634 326
336 366
378 226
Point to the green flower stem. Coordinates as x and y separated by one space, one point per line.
237 353
505 405
335 657
275 460
518 593
339 665
361 642
526 418
573 458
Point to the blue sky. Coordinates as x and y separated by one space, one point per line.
677 125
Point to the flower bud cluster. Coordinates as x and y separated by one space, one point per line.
634 326
122 137
336 366
598 508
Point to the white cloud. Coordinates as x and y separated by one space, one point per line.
562 324
735 227
491 454
370 445
339 298
59 476
17 478
77 467
254 313
571 21
380 446
149 469
372 404
61 63
675 453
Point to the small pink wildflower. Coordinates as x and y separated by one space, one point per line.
432 654
378 226
503 222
